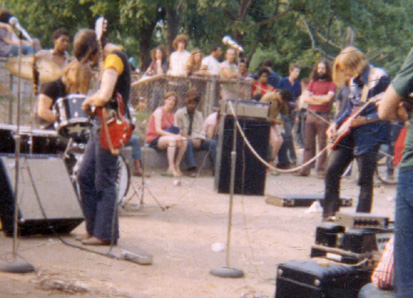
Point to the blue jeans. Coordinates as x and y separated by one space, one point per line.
96 177
26 50
135 142
288 138
371 291
403 241
207 144
299 132
338 161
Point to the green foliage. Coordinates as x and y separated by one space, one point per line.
286 31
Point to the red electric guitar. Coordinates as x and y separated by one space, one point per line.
345 127
116 129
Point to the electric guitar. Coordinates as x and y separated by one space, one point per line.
116 129
345 127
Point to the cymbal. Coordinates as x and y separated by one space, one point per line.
48 69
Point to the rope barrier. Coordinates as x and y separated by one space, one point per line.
261 159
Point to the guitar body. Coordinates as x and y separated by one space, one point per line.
345 127
343 131
116 129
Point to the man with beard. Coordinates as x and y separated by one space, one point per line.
319 95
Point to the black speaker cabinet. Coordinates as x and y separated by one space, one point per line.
47 201
250 173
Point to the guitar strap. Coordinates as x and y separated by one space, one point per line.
366 87
364 93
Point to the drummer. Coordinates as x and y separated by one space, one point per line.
59 53
76 79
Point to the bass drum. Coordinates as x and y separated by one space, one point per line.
122 174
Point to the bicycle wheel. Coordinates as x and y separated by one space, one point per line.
386 172
122 179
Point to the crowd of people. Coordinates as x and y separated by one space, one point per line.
301 112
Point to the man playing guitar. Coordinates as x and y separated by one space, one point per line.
97 172
365 133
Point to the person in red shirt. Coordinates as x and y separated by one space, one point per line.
319 96
261 86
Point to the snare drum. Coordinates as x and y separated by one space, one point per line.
72 121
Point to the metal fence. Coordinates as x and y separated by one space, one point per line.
146 94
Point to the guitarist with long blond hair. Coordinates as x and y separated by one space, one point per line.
97 172
361 132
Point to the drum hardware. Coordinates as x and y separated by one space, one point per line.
73 158
72 121
48 70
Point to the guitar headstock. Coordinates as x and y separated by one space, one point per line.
101 25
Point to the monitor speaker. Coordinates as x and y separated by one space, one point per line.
46 198
250 173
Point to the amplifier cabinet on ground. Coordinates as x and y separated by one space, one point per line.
250 173
47 201
319 278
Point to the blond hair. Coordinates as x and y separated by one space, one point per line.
350 59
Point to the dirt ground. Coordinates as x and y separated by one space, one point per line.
180 240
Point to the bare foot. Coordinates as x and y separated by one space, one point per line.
177 173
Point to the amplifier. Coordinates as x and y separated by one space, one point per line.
328 234
360 220
359 241
316 278
365 260
352 240
246 108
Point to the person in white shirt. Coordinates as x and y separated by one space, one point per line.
211 61
229 71
177 60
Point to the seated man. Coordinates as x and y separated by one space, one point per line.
382 285
190 123
9 42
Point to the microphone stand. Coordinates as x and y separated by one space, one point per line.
227 271
15 265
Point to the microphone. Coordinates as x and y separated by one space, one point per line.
227 40
15 23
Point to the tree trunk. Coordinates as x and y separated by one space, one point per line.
172 27
145 44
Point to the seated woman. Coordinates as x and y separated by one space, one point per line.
194 65
159 64
161 134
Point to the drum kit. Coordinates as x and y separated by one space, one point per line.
72 127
